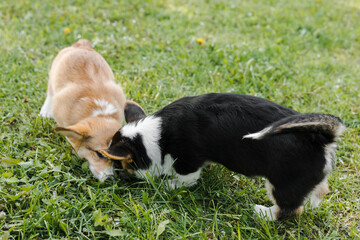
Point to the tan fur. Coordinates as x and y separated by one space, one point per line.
134 103
79 76
125 161
298 211
322 190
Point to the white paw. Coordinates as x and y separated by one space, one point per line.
171 184
267 213
174 183
45 114
46 108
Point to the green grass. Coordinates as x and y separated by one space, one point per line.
302 54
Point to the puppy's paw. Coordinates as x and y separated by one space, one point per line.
45 110
172 183
45 114
268 214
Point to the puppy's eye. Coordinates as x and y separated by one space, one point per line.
100 155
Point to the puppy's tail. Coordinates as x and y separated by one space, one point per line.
83 43
327 125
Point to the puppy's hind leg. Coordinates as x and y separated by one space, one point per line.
288 202
318 193
269 213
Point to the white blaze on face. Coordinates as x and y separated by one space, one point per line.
105 108
149 129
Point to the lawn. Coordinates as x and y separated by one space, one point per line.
301 54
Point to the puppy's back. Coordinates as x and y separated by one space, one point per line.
83 43
79 64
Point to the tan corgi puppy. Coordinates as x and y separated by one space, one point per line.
86 103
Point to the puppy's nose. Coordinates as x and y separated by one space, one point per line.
109 179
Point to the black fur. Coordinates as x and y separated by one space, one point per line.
122 146
211 127
132 111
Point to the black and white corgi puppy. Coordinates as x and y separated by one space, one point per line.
295 152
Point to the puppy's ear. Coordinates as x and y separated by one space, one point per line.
133 111
116 138
119 157
74 132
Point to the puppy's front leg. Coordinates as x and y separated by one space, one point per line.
178 180
46 108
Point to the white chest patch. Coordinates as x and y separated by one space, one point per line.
104 108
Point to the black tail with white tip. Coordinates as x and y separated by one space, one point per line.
327 125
